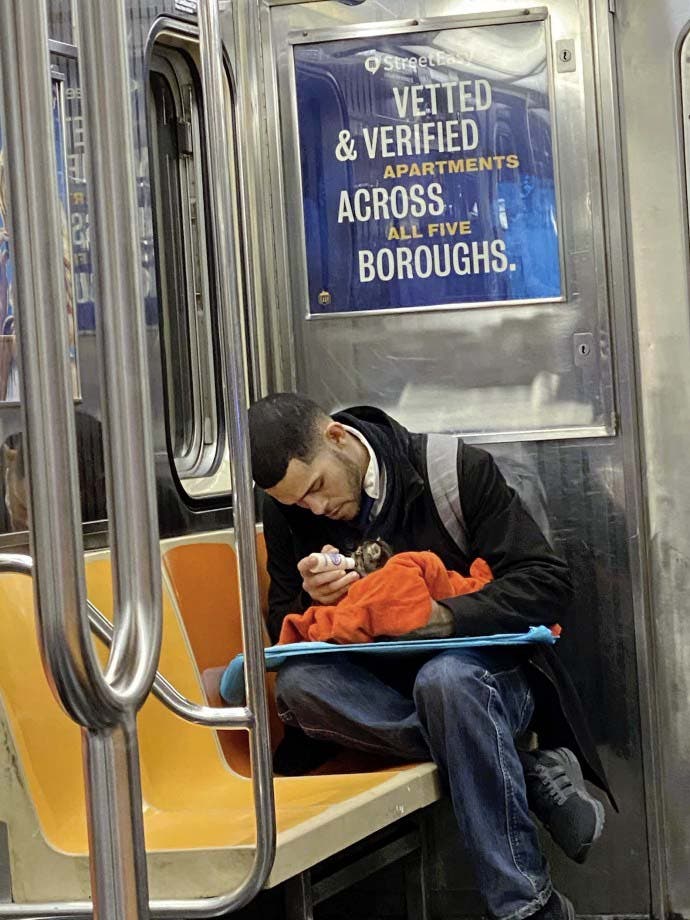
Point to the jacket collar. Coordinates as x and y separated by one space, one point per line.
398 441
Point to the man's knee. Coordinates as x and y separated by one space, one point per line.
291 680
448 673
298 681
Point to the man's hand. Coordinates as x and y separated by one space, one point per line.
326 587
440 625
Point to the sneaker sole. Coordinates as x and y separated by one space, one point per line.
575 772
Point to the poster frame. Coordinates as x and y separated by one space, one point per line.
410 26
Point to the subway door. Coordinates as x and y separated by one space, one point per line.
446 248
654 65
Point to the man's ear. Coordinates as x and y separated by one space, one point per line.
335 434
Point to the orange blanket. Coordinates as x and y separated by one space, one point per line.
390 602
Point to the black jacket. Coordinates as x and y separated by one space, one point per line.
531 583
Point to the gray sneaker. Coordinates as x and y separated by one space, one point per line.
557 795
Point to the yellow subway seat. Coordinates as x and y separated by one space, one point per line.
193 800
47 742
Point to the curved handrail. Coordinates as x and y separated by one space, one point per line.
50 442
92 698
209 716
226 717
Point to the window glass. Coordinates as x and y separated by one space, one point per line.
188 315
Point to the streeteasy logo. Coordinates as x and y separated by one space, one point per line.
389 62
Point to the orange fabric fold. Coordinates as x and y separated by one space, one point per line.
390 602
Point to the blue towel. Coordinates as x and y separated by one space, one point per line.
232 681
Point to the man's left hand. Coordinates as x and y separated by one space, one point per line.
440 625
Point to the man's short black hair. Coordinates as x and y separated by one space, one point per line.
282 427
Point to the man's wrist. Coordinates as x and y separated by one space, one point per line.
441 619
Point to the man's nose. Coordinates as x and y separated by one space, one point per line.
315 503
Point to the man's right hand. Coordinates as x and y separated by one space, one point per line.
326 587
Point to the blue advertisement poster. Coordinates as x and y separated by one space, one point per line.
9 378
67 257
9 374
427 169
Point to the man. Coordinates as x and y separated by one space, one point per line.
332 482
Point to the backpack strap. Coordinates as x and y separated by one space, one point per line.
442 472
444 457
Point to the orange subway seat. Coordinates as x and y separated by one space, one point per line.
204 580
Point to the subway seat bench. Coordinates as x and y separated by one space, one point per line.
198 807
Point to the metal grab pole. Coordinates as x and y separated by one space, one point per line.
125 396
119 869
229 286
47 401
117 849
104 705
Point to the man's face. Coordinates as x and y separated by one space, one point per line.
330 484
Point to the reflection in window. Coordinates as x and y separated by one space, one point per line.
60 20
14 513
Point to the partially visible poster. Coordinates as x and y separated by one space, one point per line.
66 236
9 380
427 169
9 376
78 204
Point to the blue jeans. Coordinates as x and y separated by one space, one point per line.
463 709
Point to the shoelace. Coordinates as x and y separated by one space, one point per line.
556 782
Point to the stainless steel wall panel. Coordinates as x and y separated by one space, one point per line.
649 38
586 497
604 26
515 365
